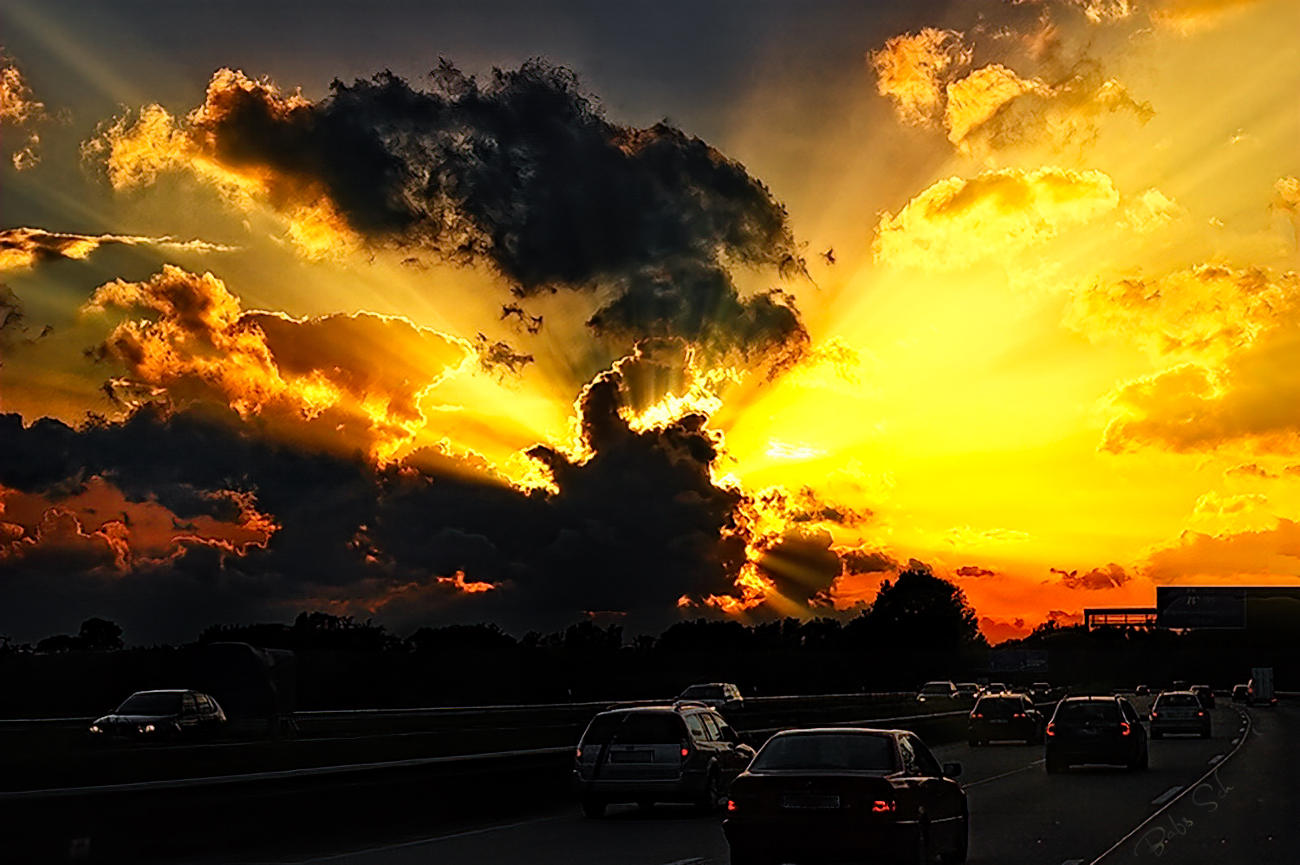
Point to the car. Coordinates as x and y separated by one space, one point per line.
835 793
996 688
1179 712
1040 690
1205 694
940 691
715 695
1095 729
968 690
685 752
161 715
1142 691
1240 693
1005 716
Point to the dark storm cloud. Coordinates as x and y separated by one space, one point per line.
802 565
633 528
1110 577
522 172
865 561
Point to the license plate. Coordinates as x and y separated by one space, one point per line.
809 801
631 756
1000 721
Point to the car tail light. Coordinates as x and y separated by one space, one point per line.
1155 715
884 806
1124 728
977 714
686 749
731 805
1019 715
1051 729
577 753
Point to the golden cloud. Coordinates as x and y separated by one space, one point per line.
362 374
957 223
1242 327
18 108
975 99
1274 550
1192 16
913 71
1203 312
23 248
137 151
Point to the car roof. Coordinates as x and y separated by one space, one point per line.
668 708
165 691
852 731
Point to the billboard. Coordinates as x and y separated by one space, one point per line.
1201 606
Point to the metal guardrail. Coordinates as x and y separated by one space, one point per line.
592 705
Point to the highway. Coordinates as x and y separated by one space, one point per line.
1186 808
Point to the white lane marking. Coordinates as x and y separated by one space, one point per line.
1072 862
433 840
696 861
1216 758
1003 775
1166 796
1235 741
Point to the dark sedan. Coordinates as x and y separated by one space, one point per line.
844 793
1005 716
160 715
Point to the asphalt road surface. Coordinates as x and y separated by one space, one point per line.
1185 809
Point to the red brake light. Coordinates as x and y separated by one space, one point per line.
1200 714
577 753
977 714
1019 715
686 751
884 806
1051 729
1155 715
1124 728
731 804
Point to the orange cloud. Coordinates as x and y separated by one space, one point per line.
913 70
363 374
1098 579
1255 553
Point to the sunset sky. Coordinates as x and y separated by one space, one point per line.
545 310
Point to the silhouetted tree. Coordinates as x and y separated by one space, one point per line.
918 610
100 635
452 638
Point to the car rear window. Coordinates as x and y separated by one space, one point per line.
1177 700
703 692
828 751
937 688
998 707
1089 710
635 728
151 704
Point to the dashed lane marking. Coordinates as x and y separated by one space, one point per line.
1166 796
1216 758
1003 775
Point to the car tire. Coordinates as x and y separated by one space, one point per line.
709 799
1156 734
1054 766
958 854
1205 734
921 845
1139 763
974 743
593 807
745 856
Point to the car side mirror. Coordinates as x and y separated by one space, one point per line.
952 770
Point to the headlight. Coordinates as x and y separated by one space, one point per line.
148 728
95 728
